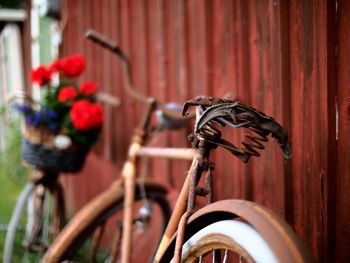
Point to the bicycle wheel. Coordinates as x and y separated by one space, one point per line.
15 221
238 231
228 241
30 229
94 234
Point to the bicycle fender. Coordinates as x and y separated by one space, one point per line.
274 229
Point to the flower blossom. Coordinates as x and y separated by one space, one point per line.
41 75
67 93
86 115
55 65
71 66
34 119
88 88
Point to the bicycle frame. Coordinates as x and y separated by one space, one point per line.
187 197
180 215
135 151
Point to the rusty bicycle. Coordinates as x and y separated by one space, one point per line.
221 231
136 206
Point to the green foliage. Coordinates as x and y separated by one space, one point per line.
12 173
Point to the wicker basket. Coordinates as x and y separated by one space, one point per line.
38 150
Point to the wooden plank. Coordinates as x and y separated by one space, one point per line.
266 66
241 186
105 83
343 145
115 80
157 74
176 90
311 123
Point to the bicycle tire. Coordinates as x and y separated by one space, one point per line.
14 222
237 239
99 210
277 235
29 233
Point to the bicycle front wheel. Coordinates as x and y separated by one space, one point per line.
94 233
228 241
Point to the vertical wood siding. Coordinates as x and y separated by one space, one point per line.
289 59
343 147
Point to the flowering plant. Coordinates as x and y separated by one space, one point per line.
66 108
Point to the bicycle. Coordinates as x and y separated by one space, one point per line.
231 229
43 199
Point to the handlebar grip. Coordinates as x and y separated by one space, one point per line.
102 40
108 99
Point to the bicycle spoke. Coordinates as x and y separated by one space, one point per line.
225 256
116 243
96 239
216 256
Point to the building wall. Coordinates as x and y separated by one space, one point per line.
288 59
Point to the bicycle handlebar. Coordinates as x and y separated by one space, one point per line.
107 43
113 47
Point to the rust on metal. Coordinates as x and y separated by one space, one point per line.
267 223
214 241
236 115
180 236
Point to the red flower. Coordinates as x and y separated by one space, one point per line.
40 75
71 66
86 115
55 66
67 93
88 88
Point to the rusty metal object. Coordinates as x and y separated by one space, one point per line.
59 209
46 183
180 236
87 215
203 167
285 243
213 242
115 245
168 153
30 241
209 183
96 239
236 115
204 101
180 207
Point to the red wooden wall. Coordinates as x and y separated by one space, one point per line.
289 59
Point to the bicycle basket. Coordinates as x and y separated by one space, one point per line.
39 150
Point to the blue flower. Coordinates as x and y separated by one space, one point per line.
47 114
34 119
24 108
51 115
53 127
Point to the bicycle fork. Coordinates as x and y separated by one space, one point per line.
189 191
